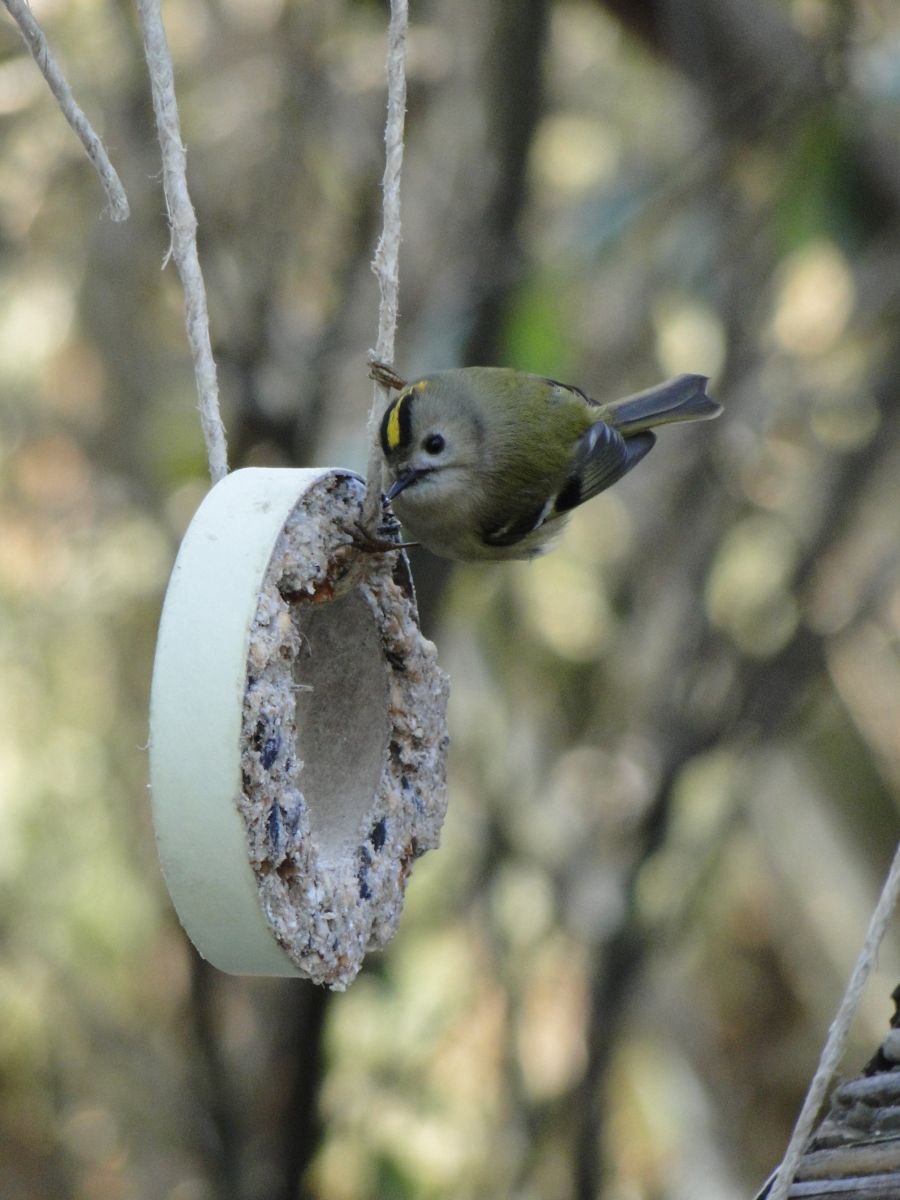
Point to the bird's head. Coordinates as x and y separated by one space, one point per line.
430 437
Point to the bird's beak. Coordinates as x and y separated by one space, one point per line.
407 476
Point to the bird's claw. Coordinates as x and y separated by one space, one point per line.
385 375
382 541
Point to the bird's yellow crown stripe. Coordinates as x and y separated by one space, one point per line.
396 424
393 423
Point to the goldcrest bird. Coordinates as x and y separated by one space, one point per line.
487 462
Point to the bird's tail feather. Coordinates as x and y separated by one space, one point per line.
683 398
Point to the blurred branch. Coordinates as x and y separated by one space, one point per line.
362 224
616 969
299 1126
183 225
836 1041
252 343
512 65
513 102
745 57
855 1149
52 72
296 1056
387 253
757 73
218 1103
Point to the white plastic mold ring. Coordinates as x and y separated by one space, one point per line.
297 730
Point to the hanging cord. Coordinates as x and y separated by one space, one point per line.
183 226
52 72
838 1033
385 262
183 222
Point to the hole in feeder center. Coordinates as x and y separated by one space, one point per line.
342 718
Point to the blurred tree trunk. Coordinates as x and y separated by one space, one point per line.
760 78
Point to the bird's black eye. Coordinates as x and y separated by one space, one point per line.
433 444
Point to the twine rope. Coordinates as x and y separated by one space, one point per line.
183 228
386 261
43 56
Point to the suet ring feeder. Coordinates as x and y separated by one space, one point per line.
298 737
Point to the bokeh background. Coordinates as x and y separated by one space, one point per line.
676 741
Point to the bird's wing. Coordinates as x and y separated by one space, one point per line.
568 387
518 529
602 456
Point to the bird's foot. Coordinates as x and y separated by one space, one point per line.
385 375
382 541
